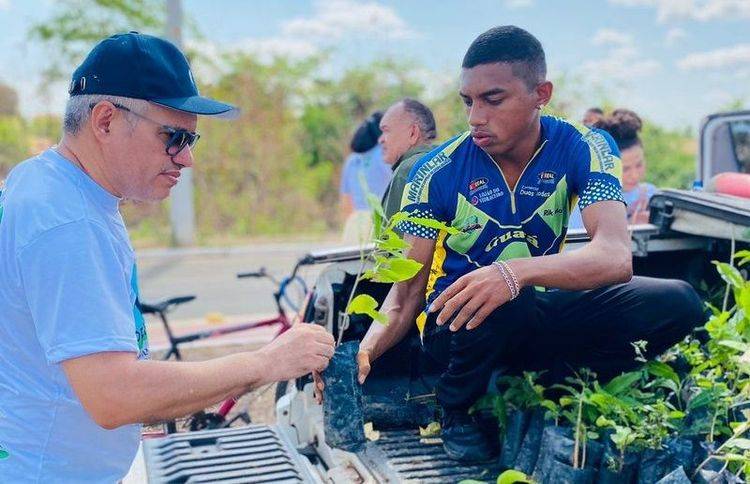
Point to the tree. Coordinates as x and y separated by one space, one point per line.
14 143
8 100
77 25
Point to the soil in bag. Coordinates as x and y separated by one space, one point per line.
557 447
677 476
657 463
532 440
343 418
515 427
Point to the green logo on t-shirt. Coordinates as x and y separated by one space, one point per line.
3 453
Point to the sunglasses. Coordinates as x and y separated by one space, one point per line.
178 138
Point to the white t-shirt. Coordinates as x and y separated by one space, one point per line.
67 289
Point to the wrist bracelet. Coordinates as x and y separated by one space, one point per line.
509 277
513 276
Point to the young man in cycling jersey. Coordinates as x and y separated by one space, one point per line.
76 380
507 185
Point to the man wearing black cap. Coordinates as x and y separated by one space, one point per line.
76 380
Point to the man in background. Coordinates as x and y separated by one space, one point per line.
408 130
592 115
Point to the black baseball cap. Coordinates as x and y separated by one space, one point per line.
145 67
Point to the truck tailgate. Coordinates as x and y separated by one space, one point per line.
256 453
405 456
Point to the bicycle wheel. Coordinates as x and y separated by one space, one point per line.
293 292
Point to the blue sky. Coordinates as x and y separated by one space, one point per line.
673 61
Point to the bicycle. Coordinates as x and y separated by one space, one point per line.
287 289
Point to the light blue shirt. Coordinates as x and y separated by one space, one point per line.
67 289
370 168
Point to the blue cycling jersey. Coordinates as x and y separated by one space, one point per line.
460 185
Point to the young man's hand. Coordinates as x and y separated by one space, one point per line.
474 295
363 362
303 349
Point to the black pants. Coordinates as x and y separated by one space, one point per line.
559 331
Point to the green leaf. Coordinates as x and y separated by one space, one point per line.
366 304
731 458
735 345
406 268
743 444
603 421
377 213
512 476
663 370
705 397
621 383
392 242
433 224
730 274
432 429
743 255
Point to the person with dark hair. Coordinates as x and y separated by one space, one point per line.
408 131
364 173
592 115
623 125
366 136
503 191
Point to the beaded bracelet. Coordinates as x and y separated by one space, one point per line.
510 278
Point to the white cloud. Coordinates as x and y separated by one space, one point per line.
718 96
702 10
519 3
735 56
612 37
330 22
336 19
618 69
674 35
622 61
279 47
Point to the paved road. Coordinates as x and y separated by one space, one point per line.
210 275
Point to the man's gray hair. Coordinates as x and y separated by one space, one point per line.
78 109
422 116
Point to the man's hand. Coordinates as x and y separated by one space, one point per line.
476 294
303 349
363 363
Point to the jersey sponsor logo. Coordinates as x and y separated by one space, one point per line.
548 212
471 224
477 185
512 235
487 196
533 192
602 150
547 177
424 174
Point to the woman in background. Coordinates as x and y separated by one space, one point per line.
364 172
624 125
